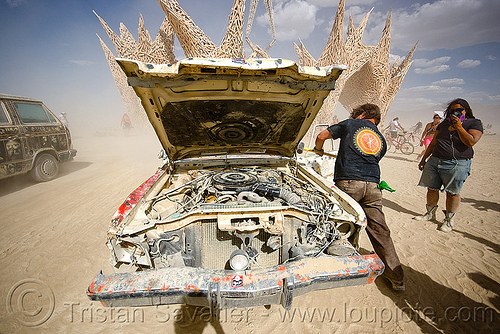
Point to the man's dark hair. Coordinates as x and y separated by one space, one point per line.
371 111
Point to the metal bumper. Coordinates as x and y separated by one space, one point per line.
225 289
67 155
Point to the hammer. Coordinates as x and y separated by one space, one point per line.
301 149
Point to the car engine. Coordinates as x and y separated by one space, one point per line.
254 217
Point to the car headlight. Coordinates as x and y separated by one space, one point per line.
239 260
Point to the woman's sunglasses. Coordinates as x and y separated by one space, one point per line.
457 109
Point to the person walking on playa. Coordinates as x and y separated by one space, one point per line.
126 124
449 164
357 173
428 134
62 117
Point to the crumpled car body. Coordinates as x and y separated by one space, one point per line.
231 219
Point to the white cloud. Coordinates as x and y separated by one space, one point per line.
434 89
491 57
432 70
15 3
83 62
469 63
483 96
293 19
422 62
323 3
449 82
393 58
335 3
443 24
433 66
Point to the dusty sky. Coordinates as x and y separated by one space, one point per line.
50 49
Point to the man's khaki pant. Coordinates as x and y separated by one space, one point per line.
370 198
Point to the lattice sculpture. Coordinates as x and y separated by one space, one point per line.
196 43
257 51
159 51
370 78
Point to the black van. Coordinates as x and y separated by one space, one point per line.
32 139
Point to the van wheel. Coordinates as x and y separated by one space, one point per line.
45 169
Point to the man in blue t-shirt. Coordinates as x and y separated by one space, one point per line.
357 173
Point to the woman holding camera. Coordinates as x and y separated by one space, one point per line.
450 158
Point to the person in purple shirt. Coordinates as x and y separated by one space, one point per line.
450 154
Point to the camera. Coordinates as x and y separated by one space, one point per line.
456 113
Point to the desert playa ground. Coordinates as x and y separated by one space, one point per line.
52 244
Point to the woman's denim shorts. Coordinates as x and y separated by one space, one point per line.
445 175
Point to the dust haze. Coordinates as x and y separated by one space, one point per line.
55 232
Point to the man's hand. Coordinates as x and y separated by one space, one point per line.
319 152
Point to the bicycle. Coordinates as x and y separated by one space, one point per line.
411 138
399 143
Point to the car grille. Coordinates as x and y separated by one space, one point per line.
217 246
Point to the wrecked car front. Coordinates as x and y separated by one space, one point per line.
231 219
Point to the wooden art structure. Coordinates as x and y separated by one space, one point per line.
370 77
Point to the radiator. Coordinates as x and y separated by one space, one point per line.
217 246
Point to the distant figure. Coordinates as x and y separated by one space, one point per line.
126 124
428 134
417 128
393 127
63 119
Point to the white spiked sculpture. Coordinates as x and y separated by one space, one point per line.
370 77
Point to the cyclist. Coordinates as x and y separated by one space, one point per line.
393 127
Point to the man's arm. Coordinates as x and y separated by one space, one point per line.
320 140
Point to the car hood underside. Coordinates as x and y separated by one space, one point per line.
230 106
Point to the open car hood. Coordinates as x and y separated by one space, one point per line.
201 106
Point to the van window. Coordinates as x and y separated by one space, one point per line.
32 113
51 117
4 118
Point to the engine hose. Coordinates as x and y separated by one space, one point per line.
289 196
265 189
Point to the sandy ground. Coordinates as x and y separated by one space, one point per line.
53 244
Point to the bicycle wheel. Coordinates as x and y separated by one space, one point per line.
407 148
413 140
389 144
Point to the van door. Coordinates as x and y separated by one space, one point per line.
41 130
13 159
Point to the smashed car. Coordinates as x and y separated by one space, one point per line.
232 219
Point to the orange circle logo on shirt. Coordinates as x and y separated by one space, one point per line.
368 141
